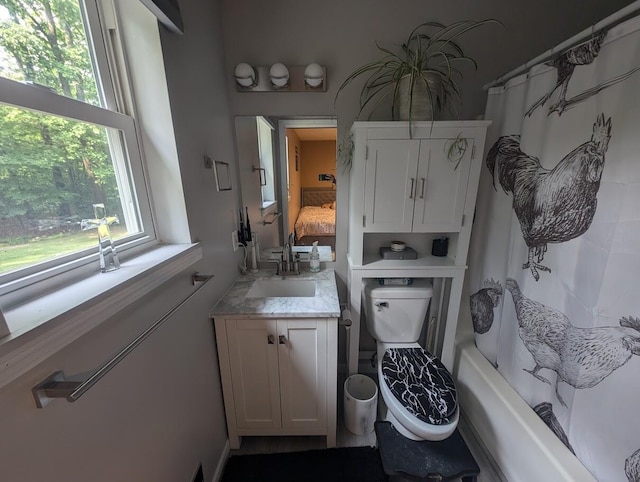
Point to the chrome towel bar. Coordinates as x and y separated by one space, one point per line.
57 386
276 215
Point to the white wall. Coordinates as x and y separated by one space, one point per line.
160 411
341 35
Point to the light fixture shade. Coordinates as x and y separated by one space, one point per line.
279 74
313 75
245 75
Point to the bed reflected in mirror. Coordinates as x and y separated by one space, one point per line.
311 184
316 220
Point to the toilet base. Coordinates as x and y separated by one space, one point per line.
384 414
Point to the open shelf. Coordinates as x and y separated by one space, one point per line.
374 262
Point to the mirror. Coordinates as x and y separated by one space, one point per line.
287 172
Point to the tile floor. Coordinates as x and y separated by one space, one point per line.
268 445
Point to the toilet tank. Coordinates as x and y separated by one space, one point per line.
395 314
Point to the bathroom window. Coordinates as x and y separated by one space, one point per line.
68 142
267 175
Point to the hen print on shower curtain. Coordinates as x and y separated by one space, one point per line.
555 252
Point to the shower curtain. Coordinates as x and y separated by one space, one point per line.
555 253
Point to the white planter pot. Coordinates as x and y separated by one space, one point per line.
422 103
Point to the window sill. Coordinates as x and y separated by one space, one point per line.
268 207
44 326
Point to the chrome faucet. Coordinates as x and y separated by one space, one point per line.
289 263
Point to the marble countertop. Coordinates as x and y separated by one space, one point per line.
235 303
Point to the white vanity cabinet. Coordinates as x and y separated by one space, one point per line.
278 376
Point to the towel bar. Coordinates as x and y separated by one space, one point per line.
58 386
276 215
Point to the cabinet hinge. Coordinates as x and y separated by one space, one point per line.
473 152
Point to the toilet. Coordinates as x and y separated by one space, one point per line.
418 395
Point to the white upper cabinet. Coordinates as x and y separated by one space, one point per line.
416 185
413 187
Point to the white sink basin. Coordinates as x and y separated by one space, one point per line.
282 288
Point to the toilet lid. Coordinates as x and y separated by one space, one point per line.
421 383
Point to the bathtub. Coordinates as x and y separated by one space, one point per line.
511 432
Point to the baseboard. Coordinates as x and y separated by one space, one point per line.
223 460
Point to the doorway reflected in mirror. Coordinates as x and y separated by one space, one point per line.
311 185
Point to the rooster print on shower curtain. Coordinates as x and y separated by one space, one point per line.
552 205
555 251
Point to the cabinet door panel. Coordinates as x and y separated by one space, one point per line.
302 357
442 187
254 371
390 184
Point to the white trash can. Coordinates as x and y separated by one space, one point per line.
360 404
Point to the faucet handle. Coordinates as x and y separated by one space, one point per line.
277 263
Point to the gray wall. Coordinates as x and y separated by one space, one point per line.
341 35
160 411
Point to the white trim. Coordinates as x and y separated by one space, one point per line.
35 98
95 25
224 456
44 326
124 143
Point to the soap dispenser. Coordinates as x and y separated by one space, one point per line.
314 260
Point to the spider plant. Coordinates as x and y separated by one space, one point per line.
428 65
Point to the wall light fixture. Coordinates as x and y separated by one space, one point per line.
313 75
280 78
245 75
279 75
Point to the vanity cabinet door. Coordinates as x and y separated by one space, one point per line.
253 357
302 357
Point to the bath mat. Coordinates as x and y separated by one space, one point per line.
347 464
447 460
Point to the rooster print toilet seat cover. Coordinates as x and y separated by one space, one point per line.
421 383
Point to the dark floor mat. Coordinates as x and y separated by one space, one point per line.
449 459
348 464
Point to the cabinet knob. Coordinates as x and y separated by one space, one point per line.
422 190
282 340
270 339
413 185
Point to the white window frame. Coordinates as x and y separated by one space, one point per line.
61 309
114 90
267 163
